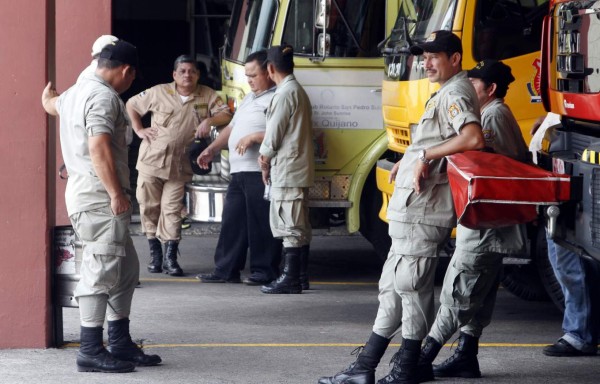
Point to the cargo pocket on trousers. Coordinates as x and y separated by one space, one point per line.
464 285
101 267
411 272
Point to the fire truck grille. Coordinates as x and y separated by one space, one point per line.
595 223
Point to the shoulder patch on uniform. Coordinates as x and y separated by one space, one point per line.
143 93
489 135
170 91
453 111
219 102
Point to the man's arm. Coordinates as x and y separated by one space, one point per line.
104 166
469 139
219 119
209 153
49 96
136 123
248 141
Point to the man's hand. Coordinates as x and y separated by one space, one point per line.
266 176
150 133
265 166
394 172
203 129
49 96
205 157
120 204
421 172
243 145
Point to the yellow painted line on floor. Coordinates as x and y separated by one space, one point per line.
186 280
307 345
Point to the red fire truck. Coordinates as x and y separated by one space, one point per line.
571 88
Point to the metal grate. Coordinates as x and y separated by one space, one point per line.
399 138
595 223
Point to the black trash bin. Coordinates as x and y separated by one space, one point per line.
67 251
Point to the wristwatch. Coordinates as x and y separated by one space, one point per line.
423 158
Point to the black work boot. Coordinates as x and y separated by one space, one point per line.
289 281
463 363
428 353
93 357
362 371
123 348
304 253
156 255
405 362
170 264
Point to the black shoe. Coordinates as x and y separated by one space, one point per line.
562 348
102 362
255 281
212 278
135 355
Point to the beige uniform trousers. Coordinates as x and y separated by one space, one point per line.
406 295
161 202
468 294
110 267
288 216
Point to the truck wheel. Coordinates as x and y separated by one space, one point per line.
372 227
524 281
546 272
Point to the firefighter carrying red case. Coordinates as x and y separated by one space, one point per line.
491 190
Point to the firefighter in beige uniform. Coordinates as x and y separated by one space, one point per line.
180 110
287 157
421 215
469 291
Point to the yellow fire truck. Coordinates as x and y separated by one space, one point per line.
339 64
507 30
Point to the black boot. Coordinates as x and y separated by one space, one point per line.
362 371
123 348
304 252
93 357
170 264
428 353
156 255
405 362
464 362
289 281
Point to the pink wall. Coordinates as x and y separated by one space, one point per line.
32 52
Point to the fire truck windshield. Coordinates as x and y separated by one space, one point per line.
251 26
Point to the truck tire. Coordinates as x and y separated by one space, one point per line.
372 227
524 281
546 272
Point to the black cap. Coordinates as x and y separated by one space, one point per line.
122 51
197 147
492 71
439 41
283 54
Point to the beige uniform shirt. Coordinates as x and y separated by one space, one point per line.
91 107
502 133
176 120
446 112
289 136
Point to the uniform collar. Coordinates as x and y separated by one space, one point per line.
173 90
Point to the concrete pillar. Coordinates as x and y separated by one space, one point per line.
40 40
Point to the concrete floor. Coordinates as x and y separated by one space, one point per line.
231 333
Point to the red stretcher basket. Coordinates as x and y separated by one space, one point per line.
491 190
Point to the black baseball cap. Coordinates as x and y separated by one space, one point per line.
492 71
439 41
122 51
